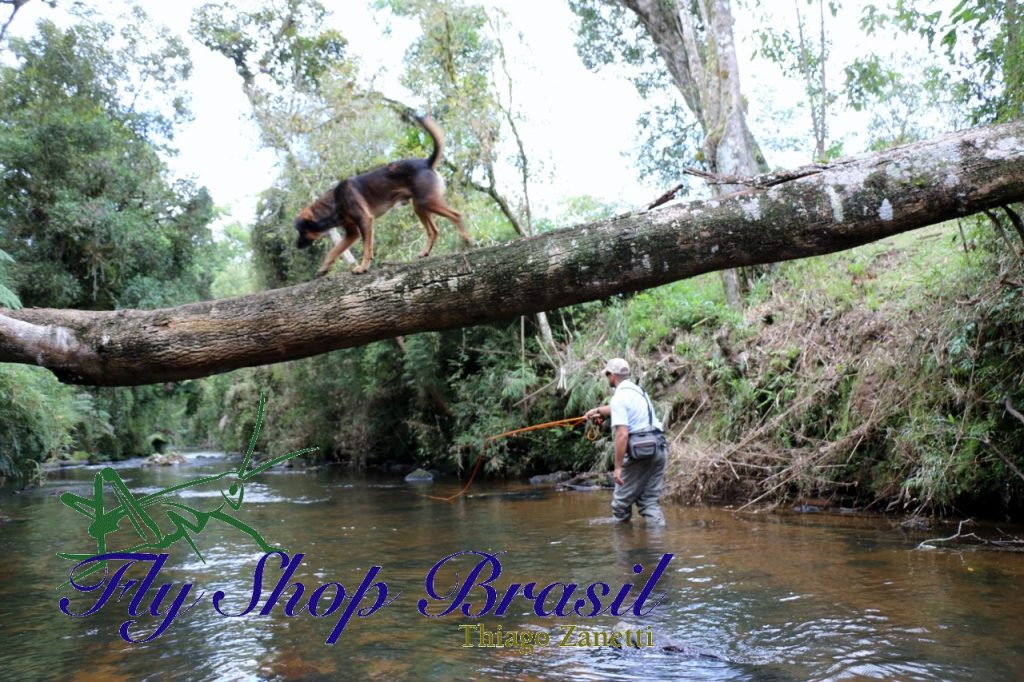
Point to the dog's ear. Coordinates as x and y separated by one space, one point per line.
306 236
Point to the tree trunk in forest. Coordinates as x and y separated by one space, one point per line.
1013 60
781 216
701 58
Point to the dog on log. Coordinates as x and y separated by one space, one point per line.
355 202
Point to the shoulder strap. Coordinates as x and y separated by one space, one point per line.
650 411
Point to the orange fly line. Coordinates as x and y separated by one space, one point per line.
591 434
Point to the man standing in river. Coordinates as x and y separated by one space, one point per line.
638 479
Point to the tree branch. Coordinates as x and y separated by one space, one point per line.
762 181
1015 220
994 219
1009 408
491 190
15 6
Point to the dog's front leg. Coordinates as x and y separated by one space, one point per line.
337 250
367 229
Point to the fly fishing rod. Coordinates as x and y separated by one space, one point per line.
592 433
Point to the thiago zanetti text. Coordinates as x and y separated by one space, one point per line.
479 635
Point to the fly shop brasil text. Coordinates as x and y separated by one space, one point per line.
153 606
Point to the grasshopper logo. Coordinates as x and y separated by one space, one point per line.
185 522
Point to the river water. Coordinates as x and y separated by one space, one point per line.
743 596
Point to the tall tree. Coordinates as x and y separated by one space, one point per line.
694 41
282 54
91 216
86 208
325 122
310 109
450 66
803 54
455 65
906 97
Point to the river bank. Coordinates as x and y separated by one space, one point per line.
885 386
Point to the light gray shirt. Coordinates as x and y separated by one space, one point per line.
629 407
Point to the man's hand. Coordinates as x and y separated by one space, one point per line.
621 444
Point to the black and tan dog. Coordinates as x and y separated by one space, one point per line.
355 202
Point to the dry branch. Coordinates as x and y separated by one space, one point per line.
1009 408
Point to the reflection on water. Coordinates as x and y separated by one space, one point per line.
746 597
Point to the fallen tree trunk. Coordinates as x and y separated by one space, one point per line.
789 215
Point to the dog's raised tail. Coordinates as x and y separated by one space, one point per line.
436 135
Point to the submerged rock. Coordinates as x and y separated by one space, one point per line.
420 476
694 652
591 480
166 460
549 479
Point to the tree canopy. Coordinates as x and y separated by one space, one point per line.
89 215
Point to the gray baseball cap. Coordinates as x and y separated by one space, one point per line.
617 366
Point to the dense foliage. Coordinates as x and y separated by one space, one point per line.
88 215
89 219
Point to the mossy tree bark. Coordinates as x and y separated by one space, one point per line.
794 214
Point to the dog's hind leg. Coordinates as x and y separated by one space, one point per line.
454 216
428 224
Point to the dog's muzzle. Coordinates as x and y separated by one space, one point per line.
302 242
